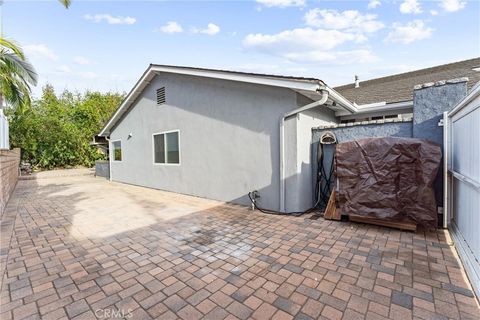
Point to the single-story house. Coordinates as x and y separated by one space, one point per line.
221 134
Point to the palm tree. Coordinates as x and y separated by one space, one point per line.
16 75
66 3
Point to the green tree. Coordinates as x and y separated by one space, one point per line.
66 3
56 130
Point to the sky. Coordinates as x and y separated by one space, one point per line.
107 45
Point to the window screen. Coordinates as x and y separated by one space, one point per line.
166 148
117 150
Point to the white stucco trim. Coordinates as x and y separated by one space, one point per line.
165 146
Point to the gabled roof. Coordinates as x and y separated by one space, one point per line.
399 87
307 86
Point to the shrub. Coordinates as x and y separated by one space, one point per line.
55 130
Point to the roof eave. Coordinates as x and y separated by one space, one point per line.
373 107
149 74
309 85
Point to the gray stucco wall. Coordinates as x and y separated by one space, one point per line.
430 101
229 138
390 129
429 104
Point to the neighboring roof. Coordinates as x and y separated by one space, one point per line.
310 86
399 87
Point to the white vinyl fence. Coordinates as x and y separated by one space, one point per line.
462 183
4 142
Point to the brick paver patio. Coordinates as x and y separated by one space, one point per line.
85 248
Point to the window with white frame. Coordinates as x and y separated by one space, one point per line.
166 147
117 150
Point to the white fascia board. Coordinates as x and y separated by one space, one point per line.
225 75
371 105
340 100
378 107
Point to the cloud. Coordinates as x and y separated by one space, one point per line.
349 20
64 69
81 60
88 75
372 4
337 57
307 45
267 68
409 32
171 27
257 68
410 6
211 29
306 38
40 50
110 19
282 3
452 5
434 12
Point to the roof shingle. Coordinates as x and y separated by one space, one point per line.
399 87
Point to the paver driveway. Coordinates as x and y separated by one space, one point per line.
83 247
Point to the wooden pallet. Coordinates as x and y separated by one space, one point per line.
332 212
409 226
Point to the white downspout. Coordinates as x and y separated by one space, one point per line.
109 161
320 102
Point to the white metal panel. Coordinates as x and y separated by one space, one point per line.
462 189
446 167
465 213
4 139
466 145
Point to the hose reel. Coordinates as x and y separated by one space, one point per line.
323 186
328 138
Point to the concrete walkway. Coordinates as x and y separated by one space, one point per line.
81 247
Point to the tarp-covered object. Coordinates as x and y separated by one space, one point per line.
389 179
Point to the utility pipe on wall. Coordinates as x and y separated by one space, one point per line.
314 104
109 160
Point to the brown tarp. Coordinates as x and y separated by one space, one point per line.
388 178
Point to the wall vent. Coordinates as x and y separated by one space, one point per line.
161 96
